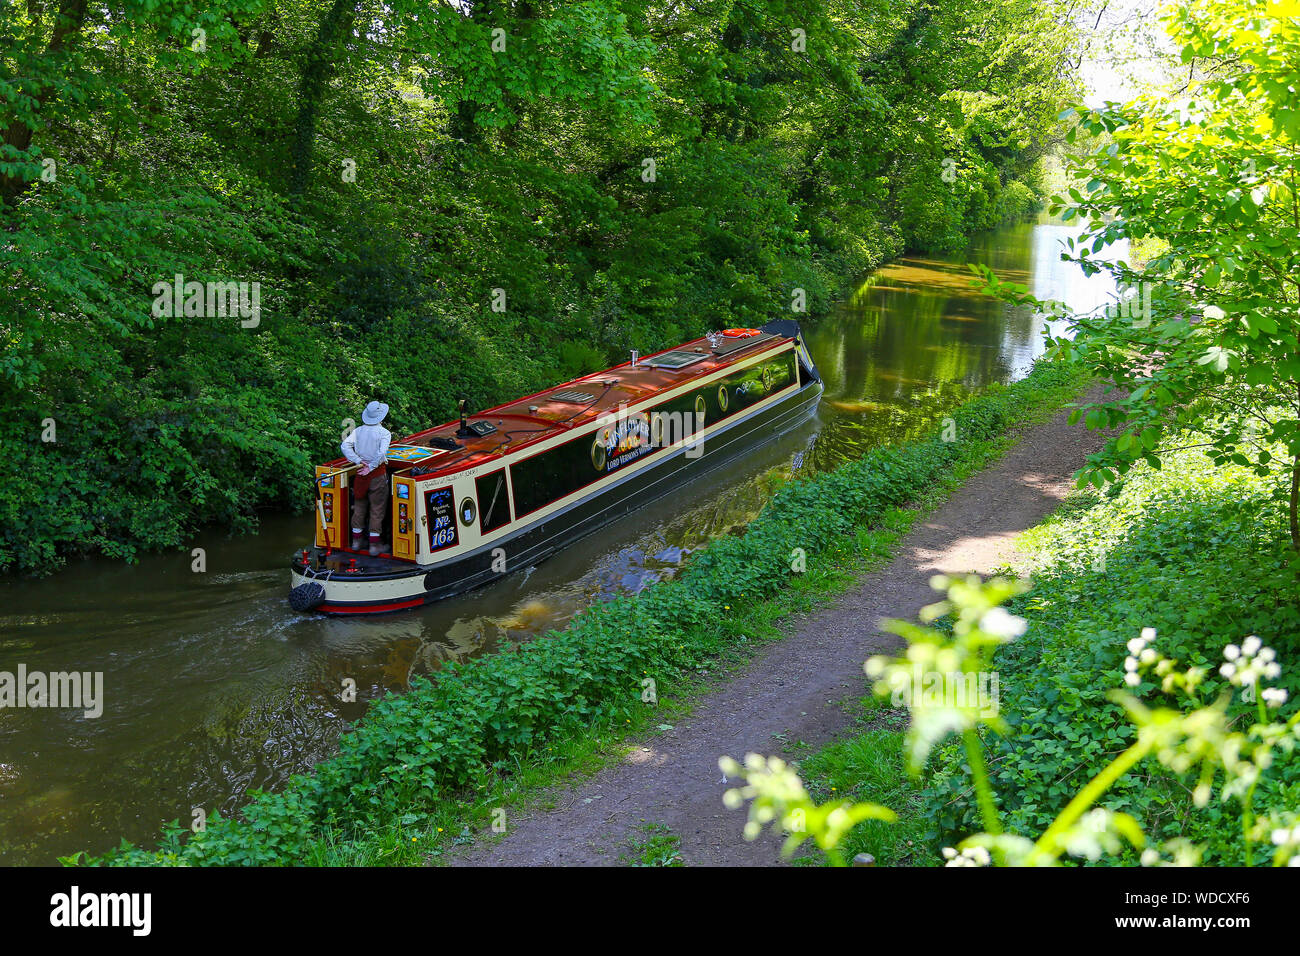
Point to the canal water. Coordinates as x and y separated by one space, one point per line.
214 687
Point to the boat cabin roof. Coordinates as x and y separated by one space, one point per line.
525 421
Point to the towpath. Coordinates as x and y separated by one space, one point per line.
795 688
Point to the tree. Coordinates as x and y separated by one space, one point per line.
1208 181
52 62
630 172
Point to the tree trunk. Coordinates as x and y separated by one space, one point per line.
461 123
320 63
69 21
1295 502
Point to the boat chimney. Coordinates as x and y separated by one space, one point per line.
463 431
636 358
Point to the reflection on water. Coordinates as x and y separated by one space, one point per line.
214 687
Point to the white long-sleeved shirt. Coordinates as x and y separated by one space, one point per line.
367 445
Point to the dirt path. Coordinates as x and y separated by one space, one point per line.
794 687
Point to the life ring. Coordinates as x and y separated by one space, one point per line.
740 333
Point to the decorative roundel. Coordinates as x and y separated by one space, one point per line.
700 408
598 454
740 333
467 512
656 431
723 398
767 378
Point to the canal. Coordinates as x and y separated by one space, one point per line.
214 687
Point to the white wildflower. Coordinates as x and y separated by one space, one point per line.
1274 696
997 622
971 856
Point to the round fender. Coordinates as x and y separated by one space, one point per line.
307 596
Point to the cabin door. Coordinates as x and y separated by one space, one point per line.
402 513
333 506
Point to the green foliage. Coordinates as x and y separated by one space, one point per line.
871 767
659 847
415 749
1215 325
779 798
1187 735
380 176
1198 554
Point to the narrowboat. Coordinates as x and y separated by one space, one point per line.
500 490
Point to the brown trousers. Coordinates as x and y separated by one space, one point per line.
377 499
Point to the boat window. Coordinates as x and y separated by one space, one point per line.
544 478
554 474
493 500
